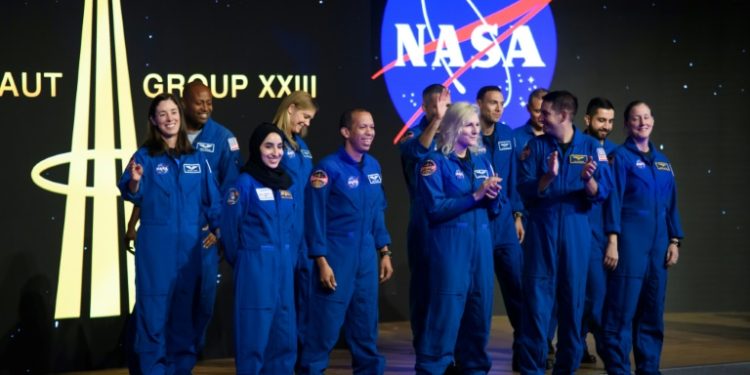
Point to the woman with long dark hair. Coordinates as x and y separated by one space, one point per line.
176 191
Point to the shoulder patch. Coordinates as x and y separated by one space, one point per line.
601 154
233 196
233 145
428 168
525 153
319 179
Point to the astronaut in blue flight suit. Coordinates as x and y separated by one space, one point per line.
176 191
506 227
414 146
293 117
599 119
644 229
533 127
521 136
222 151
458 189
347 237
256 223
562 173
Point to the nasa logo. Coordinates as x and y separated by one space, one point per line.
509 43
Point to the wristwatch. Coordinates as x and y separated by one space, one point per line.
675 242
386 253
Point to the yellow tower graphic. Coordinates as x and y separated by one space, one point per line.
106 38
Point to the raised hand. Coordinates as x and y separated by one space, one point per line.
588 170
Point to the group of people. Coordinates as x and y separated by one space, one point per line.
579 234
308 245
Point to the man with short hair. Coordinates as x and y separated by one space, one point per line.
348 240
599 119
562 173
533 126
506 227
416 143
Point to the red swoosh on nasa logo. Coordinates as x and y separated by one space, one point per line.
526 9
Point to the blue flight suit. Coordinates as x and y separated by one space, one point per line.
177 195
596 282
558 244
222 151
412 153
508 258
258 231
458 265
345 222
298 165
521 137
642 210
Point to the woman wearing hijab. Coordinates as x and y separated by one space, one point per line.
257 227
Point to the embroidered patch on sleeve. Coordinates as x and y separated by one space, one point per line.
233 196
428 168
233 145
319 179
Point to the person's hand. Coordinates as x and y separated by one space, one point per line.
443 102
588 169
386 268
136 170
489 188
553 164
209 241
611 257
673 253
326 274
520 232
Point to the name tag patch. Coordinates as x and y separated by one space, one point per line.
374 178
206 147
306 153
504 145
264 194
191 168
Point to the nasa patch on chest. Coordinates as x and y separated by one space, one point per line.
352 182
290 153
640 164
374 178
191 168
459 174
162 168
206 147
504 145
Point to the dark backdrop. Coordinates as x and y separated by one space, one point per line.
689 60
